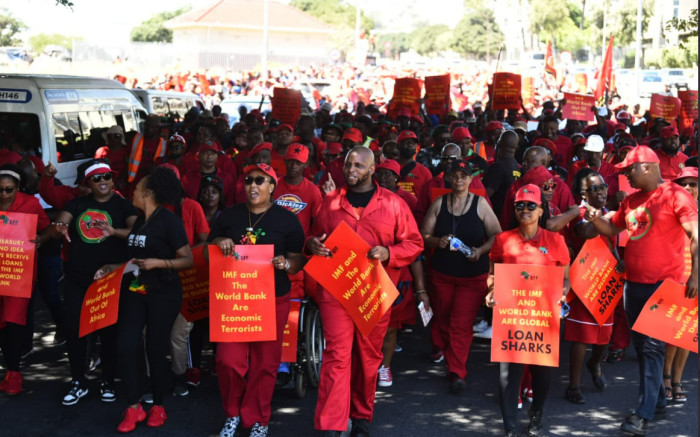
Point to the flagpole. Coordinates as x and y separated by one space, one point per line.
493 88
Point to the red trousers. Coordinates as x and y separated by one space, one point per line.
435 337
620 337
457 302
349 370
251 397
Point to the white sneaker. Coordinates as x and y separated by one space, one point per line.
77 391
385 377
230 426
258 430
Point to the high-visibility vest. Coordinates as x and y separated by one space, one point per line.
481 151
137 152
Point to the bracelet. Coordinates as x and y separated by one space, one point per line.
286 264
58 224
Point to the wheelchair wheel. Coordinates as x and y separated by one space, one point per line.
300 384
315 344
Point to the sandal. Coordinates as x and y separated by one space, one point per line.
599 379
678 396
573 395
615 356
669 390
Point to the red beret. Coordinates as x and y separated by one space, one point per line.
494 125
461 133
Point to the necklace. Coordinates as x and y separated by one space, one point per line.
250 219
455 222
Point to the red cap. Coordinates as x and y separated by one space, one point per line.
259 148
263 168
461 133
210 145
537 176
298 152
353 135
284 126
493 125
687 172
580 141
638 154
95 169
620 126
172 168
405 135
334 148
546 143
529 193
623 115
390 164
177 138
668 132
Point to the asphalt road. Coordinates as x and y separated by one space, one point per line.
416 405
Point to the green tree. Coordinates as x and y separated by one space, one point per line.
687 30
41 40
400 42
477 33
9 28
154 30
67 3
430 39
339 15
624 26
555 21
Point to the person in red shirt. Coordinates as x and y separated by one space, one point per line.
175 152
565 149
658 217
116 154
464 139
285 137
529 243
13 310
350 361
413 175
333 177
593 159
671 159
209 154
487 148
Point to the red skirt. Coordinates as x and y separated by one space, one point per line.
581 327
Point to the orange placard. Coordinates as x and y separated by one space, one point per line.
407 91
595 281
195 288
578 107
286 105
291 333
360 284
527 315
666 107
670 317
689 108
101 303
528 90
17 253
582 82
437 95
506 91
242 294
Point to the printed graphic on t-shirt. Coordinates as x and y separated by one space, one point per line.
136 240
407 186
291 202
86 225
638 222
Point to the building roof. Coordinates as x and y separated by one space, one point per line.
248 14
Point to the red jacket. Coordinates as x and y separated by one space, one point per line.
385 221
57 196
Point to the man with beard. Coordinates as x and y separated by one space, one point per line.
413 175
565 149
671 159
350 361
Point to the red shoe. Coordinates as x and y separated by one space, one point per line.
132 416
156 416
193 376
14 382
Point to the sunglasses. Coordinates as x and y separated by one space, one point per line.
596 188
547 187
531 206
450 157
101 177
8 190
682 184
259 180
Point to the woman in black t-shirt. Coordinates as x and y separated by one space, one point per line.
247 371
459 267
152 299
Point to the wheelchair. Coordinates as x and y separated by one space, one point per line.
306 371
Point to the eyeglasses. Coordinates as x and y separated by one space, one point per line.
531 206
8 190
450 157
682 184
547 187
96 178
259 180
596 188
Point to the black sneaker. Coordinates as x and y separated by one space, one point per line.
634 425
180 388
107 392
534 428
77 391
457 384
360 428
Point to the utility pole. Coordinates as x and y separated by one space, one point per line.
638 49
266 38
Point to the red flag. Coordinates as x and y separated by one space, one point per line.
605 74
549 61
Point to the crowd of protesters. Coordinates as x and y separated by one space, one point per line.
516 181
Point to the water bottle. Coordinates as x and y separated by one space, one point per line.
456 244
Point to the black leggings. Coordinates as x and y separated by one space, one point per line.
11 342
73 296
199 330
156 311
509 390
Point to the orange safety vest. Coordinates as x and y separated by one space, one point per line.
481 151
137 152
